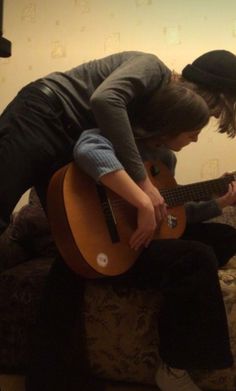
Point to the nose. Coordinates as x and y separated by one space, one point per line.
194 139
215 113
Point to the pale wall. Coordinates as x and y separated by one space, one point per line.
49 35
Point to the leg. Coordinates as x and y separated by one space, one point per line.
16 177
192 321
221 237
58 350
33 143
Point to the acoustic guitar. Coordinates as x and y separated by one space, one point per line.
92 225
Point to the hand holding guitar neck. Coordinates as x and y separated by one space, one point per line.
228 199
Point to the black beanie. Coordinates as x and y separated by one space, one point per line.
216 70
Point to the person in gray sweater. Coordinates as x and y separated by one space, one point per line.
38 131
39 128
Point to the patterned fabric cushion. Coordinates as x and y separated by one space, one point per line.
27 236
123 339
30 228
224 379
11 251
20 292
121 332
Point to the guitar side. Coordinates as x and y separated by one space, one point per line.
60 226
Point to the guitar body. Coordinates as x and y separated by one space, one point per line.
91 244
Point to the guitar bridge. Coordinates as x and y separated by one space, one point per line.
172 221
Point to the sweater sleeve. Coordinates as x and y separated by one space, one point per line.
95 154
134 78
197 212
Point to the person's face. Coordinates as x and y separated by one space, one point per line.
178 142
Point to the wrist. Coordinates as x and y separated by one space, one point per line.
143 184
145 203
221 203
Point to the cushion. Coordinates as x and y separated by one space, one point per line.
30 228
20 293
12 252
123 339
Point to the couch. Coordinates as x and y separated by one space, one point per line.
121 332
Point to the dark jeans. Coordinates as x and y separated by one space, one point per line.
34 143
58 359
192 321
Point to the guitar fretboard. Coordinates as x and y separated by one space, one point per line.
197 191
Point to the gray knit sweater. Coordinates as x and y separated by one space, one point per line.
96 156
98 93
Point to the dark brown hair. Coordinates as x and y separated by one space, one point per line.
173 109
216 101
227 120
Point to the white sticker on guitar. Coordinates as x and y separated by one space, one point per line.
102 260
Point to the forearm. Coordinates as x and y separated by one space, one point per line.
120 134
95 155
121 183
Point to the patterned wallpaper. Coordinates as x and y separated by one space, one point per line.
49 35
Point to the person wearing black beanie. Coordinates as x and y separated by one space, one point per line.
214 77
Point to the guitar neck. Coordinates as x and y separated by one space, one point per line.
199 191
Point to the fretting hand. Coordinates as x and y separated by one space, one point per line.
229 199
149 216
146 226
158 201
